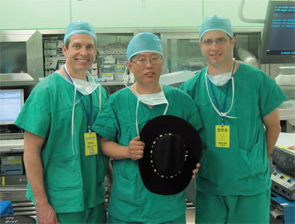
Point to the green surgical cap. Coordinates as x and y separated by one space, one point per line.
144 42
79 27
216 23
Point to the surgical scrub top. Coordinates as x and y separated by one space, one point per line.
72 180
130 200
241 169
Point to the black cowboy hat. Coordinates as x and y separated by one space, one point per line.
172 150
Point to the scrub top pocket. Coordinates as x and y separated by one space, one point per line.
63 174
125 186
253 160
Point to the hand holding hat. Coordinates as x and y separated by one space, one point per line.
136 148
195 171
172 150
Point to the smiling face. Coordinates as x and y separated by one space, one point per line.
219 53
80 54
147 68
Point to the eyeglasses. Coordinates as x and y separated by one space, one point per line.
218 41
142 60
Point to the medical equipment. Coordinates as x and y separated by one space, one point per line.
283 184
21 58
176 78
247 57
11 103
283 180
11 144
284 159
278 44
11 165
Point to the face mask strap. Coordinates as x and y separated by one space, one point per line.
126 77
99 97
74 104
73 124
136 113
166 109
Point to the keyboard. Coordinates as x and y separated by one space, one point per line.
12 144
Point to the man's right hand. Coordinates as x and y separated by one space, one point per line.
46 214
136 148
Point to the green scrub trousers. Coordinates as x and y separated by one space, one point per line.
233 209
180 220
89 215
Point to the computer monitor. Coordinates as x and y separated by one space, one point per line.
278 45
21 57
11 103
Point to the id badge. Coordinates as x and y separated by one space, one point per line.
222 136
90 143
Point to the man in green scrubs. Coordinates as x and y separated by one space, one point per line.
120 122
64 165
238 105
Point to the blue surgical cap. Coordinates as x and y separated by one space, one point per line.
144 42
79 27
216 23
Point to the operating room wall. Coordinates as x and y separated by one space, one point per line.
56 14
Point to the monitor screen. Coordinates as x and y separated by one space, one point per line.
278 45
11 102
13 58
